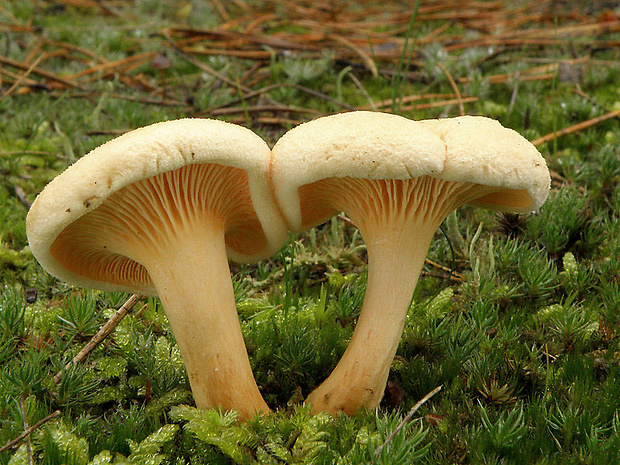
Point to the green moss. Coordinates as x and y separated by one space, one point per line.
523 337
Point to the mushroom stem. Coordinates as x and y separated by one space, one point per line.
397 220
203 317
361 375
168 234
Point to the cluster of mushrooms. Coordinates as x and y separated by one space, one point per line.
160 211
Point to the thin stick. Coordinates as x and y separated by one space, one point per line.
451 277
244 6
576 127
402 424
22 77
316 93
408 99
271 87
362 89
102 334
25 426
10 153
513 96
259 108
141 58
28 432
454 275
200 65
368 61
26 81
35 70
424 106
21 195
221 10
455 88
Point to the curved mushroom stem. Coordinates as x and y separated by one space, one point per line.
360 377
397 219
169 231
203 317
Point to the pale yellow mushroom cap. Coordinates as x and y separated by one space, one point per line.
375 145
141 154
360 144
481 151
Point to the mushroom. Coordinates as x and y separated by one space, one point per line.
397 180
157 211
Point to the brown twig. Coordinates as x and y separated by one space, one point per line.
26 82
131 98
408 99
455 88
244 6
407 418
37 71
450 273
443 103
22 77
366 59
221 9
318 94
28 432
200 65
576 127
25 426
112 65
259 108
264 90
9 15
10 153
21 195
101 335
452 277
362 89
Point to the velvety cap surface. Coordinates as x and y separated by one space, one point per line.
360 144
143 153
480 150
376 145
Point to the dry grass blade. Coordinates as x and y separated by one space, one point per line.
25 426
261 108
307 90
21 195
221 10
443 103
366 59
114 65
130 98
407 418
29 431
34 70
576 127
408 99
455 88
204 67
21 78
102 334
453 275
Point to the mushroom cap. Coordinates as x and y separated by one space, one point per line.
480 150
375 145
141 154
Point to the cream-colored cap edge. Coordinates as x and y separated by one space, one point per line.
480 150
140 154
377 145
360 144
